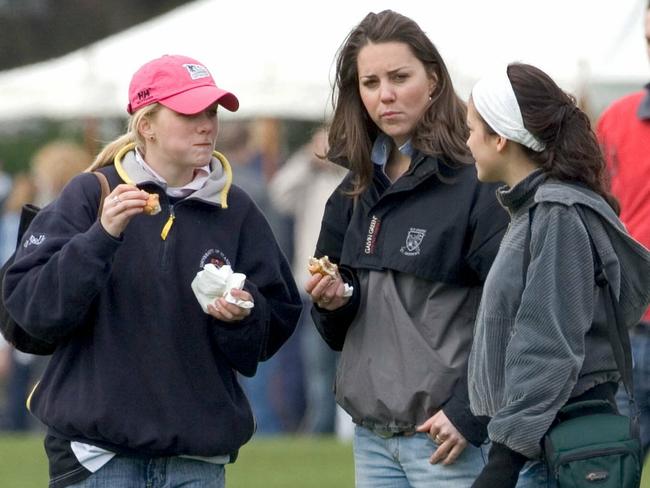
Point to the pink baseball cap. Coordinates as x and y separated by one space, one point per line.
179 83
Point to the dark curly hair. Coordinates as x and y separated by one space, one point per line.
572 151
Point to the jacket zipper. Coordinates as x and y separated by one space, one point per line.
168 225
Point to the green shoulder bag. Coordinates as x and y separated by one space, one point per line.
593 446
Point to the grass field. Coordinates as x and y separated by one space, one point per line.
281 462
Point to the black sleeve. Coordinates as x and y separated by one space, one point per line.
488 223
277 301
336 218
473 428
333 325
502 469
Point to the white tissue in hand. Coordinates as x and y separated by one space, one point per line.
347 290
213 280
211 283
240 303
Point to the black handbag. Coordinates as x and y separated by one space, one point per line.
11 330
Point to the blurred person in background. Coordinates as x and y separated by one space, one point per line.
51 167
414 233
5 183
20 369
22 193
276 391
624 133
300 189
143 385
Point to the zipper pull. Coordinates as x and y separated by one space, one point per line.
168 224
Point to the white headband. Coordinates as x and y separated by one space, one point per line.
495 101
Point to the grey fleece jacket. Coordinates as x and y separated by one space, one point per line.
539 344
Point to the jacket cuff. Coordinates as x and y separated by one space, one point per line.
472 427
333 324
503 455
457 410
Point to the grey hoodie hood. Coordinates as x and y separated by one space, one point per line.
626 261
215 190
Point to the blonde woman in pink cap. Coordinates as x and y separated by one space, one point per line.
542 338
142 389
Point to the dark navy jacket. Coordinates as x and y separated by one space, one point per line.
143 370
465 219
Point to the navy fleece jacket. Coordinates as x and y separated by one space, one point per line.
142 369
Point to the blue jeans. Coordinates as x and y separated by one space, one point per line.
535 474
170 472
403 462
640 340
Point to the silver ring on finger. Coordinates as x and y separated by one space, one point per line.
438 440
115 199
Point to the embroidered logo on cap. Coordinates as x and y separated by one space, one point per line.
144 94
196 71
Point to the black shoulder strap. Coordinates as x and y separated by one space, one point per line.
618 335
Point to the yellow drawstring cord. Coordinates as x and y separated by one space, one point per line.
28 403
170 221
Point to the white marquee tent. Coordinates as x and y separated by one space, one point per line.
278 56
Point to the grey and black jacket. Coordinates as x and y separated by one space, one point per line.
539 344
417 252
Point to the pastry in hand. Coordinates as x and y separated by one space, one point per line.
152 207
323 266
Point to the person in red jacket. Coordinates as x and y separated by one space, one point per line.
624 133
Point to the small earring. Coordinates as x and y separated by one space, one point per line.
152 137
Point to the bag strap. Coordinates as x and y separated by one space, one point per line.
618 336
106 189
27 214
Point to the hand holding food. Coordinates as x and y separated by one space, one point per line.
330 291
323 266
152 207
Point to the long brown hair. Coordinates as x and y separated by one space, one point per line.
572 151
441 130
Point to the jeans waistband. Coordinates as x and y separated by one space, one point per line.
385 433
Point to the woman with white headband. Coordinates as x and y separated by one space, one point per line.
541 337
